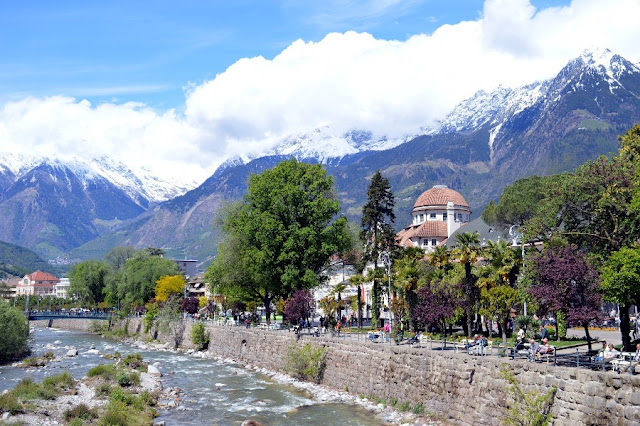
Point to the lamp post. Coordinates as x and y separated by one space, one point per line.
385 257
516 235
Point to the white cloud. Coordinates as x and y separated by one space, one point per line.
349 80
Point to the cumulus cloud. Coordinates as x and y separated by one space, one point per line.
346 80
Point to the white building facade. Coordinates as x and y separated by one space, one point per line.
436 214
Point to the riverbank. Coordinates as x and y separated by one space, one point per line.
108 393
452 386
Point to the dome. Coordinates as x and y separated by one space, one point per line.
440 195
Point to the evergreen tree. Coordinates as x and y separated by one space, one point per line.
377 231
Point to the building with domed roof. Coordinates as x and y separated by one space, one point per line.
437 214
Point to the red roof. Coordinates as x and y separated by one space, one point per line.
428 229
440 196
42 276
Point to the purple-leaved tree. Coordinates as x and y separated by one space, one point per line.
563 280
437 302
300 305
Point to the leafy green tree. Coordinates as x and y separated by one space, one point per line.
135 283
523 200
497 303
621 285
14 339
88 281
279 239
377 231
117 257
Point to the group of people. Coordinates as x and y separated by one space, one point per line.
536 350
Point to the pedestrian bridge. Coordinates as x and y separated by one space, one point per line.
38 316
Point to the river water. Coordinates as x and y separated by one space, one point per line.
215 392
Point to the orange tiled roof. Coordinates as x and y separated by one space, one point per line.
428 229
440 196
42 276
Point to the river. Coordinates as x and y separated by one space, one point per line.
215 392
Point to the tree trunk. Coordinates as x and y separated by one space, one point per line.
625 328
360 295
586 333
504 331
267 309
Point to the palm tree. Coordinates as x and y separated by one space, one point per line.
467 252
408 273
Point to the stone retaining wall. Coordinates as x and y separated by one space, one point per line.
465 389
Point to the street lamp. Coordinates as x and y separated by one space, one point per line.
385 257
516 235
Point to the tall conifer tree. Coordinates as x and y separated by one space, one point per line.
377 231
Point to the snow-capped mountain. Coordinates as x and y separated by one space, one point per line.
326 143
143 187
496 107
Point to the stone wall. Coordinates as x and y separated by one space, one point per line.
465 389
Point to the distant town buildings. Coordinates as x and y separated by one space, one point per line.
38 283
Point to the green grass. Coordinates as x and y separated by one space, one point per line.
104 371
128 409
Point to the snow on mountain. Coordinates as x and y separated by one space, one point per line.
139 186
327 143
496 107
489 108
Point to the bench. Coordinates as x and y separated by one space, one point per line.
623 362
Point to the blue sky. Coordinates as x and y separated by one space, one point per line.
148 51
179 87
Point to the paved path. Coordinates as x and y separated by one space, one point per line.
610 336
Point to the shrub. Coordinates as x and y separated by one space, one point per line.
33 361
103 389
404 406
115 416
106 371
14 339
200 336
61 381
418 409
97 327
528 408
134 361
307 362
81 412
9 404
124 380
28 389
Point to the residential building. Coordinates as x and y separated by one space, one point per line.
38 283
62 288
436 214
187 266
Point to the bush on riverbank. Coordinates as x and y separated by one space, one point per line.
13 402
79 413
129 409
200 336
307 362
14 339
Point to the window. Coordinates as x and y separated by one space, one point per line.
434 241
444 217
459 217
421 218
432 215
